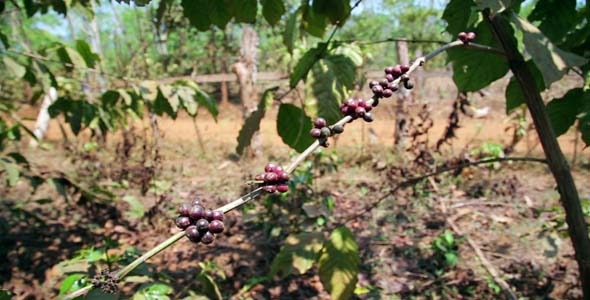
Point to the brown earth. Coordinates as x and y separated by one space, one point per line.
511 213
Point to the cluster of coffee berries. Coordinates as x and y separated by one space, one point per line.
466 37
106 281
357 108
274 179
198 223
321 131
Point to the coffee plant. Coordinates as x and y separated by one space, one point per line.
489 39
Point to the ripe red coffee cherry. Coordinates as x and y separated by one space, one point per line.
389 70
373 83
282 188
383 83
269 167
397 71
389 77
405 68
361 103
470 36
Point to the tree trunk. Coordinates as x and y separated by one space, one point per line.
42 124
577 227
401 111
245 70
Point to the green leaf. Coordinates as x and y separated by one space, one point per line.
4 40
474 70
5 295
84 50
161 106
272 10
209 103
305 64
297 255
72 283
339 264
457 14
343 68
12 173
563 112
195 12
290 33
293 126
14 68
315 24
496 6
244 10
69 57
153 291
555 17
218 11
336 10
252 123
551 61
328 92
136 209
211 288
514 95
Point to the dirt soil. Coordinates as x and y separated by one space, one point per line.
510 211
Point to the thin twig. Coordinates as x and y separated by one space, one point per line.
255 193
482 258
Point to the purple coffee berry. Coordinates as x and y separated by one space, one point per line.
207 238
387 93
183 222
383 83
393 87
339 128
462 36
217 215
373 83
361 103
202 225
193 234
271 177
389 77
315 132
405 68
216 226
360 111
184 209
351 103
470 36
388 70
208 215
284 176
196 212
397 71
377 90
320 123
